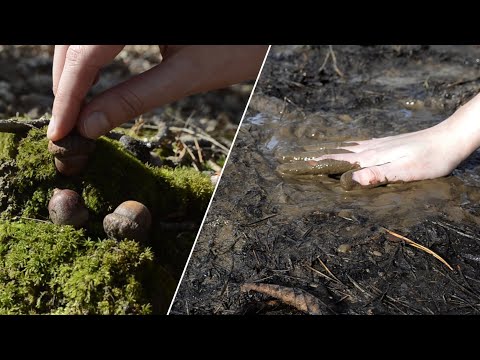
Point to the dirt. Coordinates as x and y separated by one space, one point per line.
306 232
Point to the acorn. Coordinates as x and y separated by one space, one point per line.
71 153
131 220
66 207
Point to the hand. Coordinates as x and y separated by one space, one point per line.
421 155
184 70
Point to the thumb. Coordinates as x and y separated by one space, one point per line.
162 84
189 70
126 101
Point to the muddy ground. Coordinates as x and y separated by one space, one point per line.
202 124
312 235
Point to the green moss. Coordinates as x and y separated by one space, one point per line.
8 146
163 153
188 187
34 161
221 160
37 205
113 176
50 269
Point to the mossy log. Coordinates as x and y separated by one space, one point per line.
46 268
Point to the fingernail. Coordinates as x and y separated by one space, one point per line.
95 125
51 127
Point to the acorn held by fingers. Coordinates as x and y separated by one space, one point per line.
71 153
131 220
66 207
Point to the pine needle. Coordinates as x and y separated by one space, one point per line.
418 246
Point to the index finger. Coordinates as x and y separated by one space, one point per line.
58 63
82 63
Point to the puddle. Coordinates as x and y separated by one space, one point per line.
395 204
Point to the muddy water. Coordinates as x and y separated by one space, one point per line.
284 137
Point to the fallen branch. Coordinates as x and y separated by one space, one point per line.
297 298
21 126
418 246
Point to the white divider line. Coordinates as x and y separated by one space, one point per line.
219 179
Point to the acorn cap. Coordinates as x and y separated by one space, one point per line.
136 212
71 145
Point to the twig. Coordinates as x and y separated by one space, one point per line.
334 62
464 288
296 106
425 82
464 81
324 61
214 166
469 287
328 271
138 125
199 150
20 126
182 152
190 117
418 246
320 273
32 219
449 227
131 126
465 301
359 287
393 300
344 297
306 233
192 156
260 220
201 136
256 257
